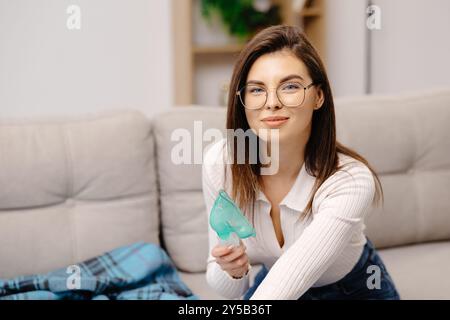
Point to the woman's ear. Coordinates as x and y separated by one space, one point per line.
320 98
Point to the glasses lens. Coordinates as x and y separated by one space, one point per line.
253 96
291 94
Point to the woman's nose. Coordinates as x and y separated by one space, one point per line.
272 100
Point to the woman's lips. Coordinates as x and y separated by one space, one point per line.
275 122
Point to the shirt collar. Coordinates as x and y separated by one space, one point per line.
299 195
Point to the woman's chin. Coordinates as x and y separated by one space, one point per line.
270 135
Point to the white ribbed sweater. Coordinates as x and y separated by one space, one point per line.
317 251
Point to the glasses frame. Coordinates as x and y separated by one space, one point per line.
238 93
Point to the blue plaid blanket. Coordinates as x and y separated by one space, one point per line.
141 271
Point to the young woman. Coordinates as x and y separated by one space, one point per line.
309 215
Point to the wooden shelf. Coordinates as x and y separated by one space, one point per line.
229 48
235 48
311 12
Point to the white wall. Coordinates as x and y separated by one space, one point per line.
412 49
410 52
121 57
346 46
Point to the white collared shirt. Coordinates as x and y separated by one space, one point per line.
317 251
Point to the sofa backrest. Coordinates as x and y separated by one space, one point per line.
183 216
406 138
71 189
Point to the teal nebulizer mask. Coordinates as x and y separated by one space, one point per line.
228 221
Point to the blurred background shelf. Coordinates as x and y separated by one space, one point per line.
311 12
204 53
228 48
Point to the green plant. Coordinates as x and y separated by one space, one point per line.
240 17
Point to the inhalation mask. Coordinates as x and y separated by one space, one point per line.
229 222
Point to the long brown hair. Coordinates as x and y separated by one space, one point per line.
321 151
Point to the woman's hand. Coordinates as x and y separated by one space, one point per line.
233 260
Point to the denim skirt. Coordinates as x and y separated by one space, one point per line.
368 280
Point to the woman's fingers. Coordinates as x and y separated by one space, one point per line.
236 264
231 255
231 259
219 251
222 251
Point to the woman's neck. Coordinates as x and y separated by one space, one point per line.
291 155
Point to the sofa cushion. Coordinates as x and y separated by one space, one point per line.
184 227
420 271
406 138
73 188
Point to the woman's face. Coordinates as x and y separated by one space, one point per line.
283 70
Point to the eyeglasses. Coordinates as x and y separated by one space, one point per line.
290 94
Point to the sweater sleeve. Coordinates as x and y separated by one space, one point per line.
212 180
341 204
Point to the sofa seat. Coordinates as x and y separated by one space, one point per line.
420 271
405 264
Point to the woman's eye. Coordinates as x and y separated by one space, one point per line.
256 90
291 86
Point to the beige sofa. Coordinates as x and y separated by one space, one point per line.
72 188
